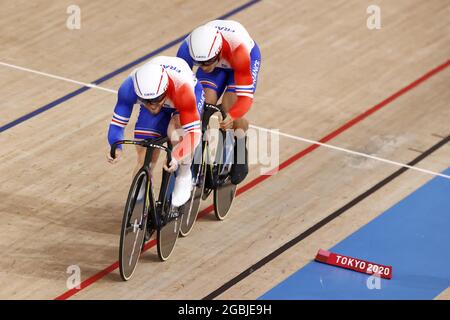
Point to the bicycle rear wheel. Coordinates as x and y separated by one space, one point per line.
224 191
223 199
168 232
133 225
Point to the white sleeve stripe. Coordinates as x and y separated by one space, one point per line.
194 130
117 124
120 117
195 123
118 120
244 94
245 87
193 126
245 90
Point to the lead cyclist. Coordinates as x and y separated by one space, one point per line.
170 98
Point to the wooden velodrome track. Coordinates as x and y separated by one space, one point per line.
61 203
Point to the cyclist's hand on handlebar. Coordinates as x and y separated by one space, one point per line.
226 123
173 166
116 159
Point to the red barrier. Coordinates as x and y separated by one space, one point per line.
358 265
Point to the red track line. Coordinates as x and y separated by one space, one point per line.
283 165
89 281
98 276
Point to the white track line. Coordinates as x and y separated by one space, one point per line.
399 164
56 77
325 145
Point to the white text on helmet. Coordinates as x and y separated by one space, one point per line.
224 29
168 66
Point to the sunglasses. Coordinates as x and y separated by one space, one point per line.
156 100
207 62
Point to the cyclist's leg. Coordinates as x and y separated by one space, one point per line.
240 169
183 182
214 84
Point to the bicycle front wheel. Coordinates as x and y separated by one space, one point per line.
168 233
133 225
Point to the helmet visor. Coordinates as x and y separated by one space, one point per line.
207 62
156 100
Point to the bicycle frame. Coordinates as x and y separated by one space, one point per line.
153 206
225 144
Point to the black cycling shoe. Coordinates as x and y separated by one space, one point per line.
239 169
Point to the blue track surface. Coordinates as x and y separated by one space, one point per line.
413 237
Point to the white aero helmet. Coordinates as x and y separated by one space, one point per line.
205 43
150 82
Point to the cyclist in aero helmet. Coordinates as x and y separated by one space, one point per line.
170 98
150 85
205 44
228 63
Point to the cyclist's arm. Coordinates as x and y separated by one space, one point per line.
122 112
183 53
243 81
190 121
